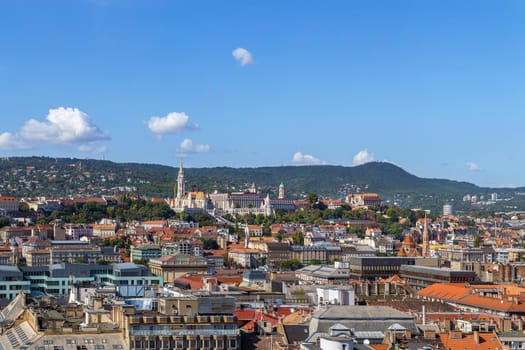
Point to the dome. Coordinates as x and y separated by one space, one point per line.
409 240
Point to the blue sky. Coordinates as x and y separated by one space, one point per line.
436 87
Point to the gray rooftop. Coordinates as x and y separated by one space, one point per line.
360 312
9 268
438 271
360 319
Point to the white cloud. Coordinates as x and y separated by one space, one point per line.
243 56
62 126
362 157
473 166
93 148
172 123
306 159
187 146
9 141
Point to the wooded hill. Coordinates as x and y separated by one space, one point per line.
63 177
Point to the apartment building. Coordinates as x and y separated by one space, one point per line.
187 322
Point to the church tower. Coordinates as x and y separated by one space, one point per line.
281 191
180 187
15 257
426 248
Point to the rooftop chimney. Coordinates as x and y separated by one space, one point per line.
476 337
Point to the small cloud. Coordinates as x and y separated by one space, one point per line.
93 148
306 159
187 146
11 142
362 157
473 166
243 56
172 123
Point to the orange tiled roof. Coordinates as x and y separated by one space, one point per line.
507 289
229 279
442 316
445 291
331 201
394 279
216 252
467 295
502 304
195 282
104 226
157 200
379 346
244 250
153 222
486 341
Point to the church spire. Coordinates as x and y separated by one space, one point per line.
181 170
180 183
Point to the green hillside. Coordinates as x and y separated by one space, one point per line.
64 177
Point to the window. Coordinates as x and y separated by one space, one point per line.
71 341
48 342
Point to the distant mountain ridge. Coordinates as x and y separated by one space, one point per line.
43 176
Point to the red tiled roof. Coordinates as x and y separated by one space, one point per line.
468 295
467 341
195 282
446 291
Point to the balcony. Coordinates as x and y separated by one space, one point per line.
135 319
163 319
203 319
175 319
228 319
215 319
149 319
189 319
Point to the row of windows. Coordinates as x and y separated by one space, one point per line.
180 344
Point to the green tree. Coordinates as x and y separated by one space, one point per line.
312 198
477 241
209 243
4 221
298 238
292 264
141 262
